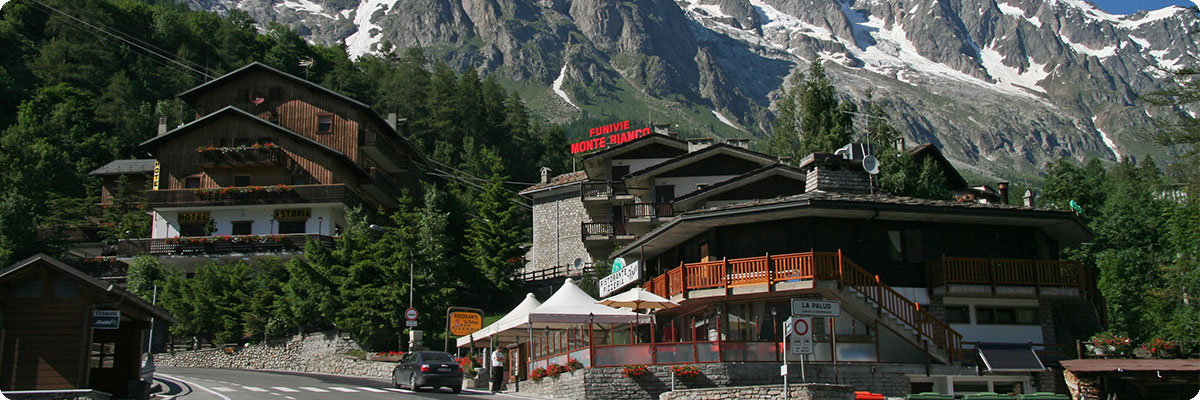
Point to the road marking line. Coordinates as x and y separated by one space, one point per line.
343 390
276 394
398 390
224 389
254 389
374 390
313 389
284 389
289 397
227 383
193 384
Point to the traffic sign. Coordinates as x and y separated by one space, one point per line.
816 308
410 323
410 314
799 334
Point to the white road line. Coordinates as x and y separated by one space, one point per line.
276 394
254 389
289 397
398 390
227 383
313 389
284 389
343 390
223 397
224 389
373 390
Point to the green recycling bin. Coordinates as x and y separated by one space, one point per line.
1044 396
929 396
989 396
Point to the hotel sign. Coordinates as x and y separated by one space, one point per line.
194 216
293 214
611 134
619 279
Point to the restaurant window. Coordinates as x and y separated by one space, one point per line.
324 123
241 180
291 226
958 314
242 227
1006 316
102 354
191 182
895 248
905 246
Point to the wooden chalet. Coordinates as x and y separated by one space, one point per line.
64 331
270 161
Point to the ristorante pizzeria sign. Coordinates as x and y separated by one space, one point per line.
611 134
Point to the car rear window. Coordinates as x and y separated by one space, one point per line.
436 357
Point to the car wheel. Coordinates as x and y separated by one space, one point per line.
456 389
394 383
412 382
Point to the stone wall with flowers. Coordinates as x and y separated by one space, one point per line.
323 352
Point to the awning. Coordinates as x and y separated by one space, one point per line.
1009 357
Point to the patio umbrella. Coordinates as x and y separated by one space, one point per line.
638 299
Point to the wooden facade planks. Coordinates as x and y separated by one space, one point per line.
43 341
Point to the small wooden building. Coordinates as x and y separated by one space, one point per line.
61 329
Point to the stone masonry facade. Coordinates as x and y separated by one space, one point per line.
556 230
317 352
810 391
609 383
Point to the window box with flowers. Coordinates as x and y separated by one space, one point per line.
1108 344
685 371
573 364
1161 348
635 371
537 374
255 153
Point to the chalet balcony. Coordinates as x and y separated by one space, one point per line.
217 245
106 268
382 188
604 235
600 197
386 153
244 195
242 157
1012 277
643 217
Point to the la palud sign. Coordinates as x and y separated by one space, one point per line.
611 134
619 279
464 323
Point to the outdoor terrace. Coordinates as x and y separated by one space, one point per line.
215 245
242 195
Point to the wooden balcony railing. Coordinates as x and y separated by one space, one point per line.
603 229
554 272
244 195
649 210
995 271
602 190
372 140
220 244
241 157
770 269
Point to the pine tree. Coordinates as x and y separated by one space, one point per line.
494 237
811 118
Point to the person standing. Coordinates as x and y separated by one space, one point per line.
498 360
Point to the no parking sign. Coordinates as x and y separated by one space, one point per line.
799 332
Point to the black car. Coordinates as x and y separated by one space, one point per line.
428 368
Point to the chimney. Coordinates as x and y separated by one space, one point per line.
738 142
1028 198
545 175
828 172
699 143
391 117
662 129
1002 188
162 126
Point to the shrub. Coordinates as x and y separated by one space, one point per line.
633 371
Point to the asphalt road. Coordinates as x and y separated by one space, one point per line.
234 384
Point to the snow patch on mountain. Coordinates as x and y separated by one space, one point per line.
562 75
368 33
993 62
307 6
1105 52
725 120
1014 11
1107 140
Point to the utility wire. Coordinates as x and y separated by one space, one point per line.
475 186
139 46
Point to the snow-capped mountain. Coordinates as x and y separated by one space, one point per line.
1002 85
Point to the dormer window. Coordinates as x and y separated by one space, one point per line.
324 123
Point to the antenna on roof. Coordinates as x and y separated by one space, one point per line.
307 63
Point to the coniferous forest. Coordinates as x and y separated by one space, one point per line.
83 82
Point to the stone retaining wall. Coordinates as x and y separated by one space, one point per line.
322 352
810 391
609 383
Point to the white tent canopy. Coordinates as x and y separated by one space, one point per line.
570 305
516 318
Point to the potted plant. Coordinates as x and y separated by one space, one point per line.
573 364
634 371
685 371
1109 344
537 374
1161 348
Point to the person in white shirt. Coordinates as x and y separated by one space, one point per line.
498 360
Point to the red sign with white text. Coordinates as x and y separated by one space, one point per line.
611 134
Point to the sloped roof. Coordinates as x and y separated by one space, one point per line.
107 287
564 179
190 96
738 181
125 167
1120 365
240 113
953 178
706 152
636 143
518 317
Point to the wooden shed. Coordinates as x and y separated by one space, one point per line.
61 329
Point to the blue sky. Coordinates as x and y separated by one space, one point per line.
1132 6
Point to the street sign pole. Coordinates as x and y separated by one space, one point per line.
787 330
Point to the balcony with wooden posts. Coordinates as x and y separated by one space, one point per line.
1010 277
382 188
246 195
602 236
384 151
643 217
220 245
600 196
258 155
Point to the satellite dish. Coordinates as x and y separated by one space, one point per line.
871 164
578 263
